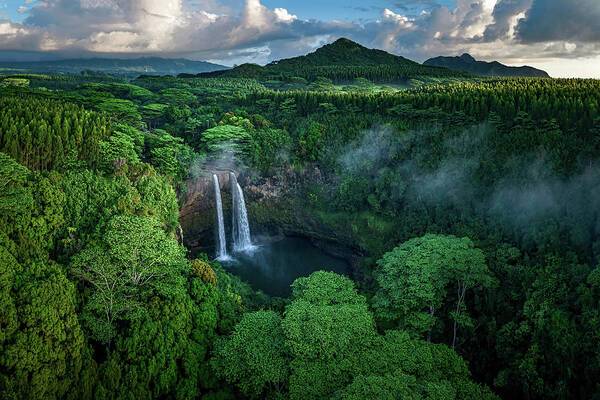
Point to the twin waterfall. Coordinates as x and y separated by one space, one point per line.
240 227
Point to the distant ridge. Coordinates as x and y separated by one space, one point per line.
466 63
129 67
342 60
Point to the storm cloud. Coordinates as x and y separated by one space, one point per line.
560 20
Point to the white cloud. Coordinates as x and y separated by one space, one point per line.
212 29
569 68
400 19
9 30
283 15
146 26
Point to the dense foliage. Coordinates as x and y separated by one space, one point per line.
326 346
98 298
44 135
473 205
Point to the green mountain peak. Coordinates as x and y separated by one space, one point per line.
342 60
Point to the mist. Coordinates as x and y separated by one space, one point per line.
435 168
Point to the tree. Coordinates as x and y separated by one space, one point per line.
438 371
40 133
145 303
310 141
232 119
117 150
414 280
14 196
389 387
158 198
225 139
328 339
269 148
540 345
41 341
124 110
132 256
177 96
254 356
169 155
327 328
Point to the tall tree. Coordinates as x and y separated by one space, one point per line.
132 257
254 356
415 278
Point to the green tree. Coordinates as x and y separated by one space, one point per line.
327 327
225 138
132 257
124 110
328 339
41 342
389 387
310 141
119 149
269 148
415 280
169 155
14 196
254 356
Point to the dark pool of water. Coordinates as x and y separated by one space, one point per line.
274 265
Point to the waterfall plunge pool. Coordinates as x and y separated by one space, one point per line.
270 266
273 265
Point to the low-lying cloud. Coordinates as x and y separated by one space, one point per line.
527 200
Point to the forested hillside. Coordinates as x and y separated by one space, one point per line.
467 63
340 61
42 135
98 298
115 66
470 207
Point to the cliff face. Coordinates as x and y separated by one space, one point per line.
281 207
197 210
276 206
267 200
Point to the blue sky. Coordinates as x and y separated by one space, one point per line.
561 36
305 9
308 9
351 9
8 8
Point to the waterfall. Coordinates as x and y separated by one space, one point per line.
240 227
222 244
180 234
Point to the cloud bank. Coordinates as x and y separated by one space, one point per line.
234 31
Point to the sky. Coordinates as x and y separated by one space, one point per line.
559 36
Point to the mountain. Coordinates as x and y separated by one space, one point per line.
467 63
342 60
126 67
344 52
